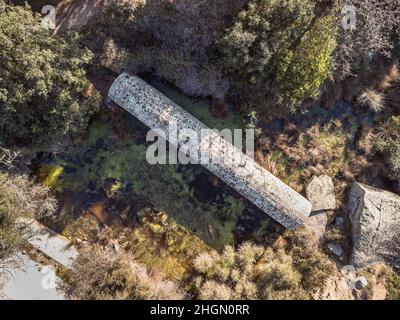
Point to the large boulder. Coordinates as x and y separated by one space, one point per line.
321 193
375 219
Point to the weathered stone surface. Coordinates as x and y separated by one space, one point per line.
339 221
317 223
54 245
362 282
227 162
335 248
375 219
321 193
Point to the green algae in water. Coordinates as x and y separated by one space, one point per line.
105 166
50 174
165 187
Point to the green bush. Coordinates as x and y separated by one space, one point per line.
293 271
301 72
251 272
278 52
44 92
393 286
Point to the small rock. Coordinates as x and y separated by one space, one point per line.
361 282
321 193
339 222
336 249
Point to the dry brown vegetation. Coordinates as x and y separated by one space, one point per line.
102 274
372 100
20 198
295 155
377 23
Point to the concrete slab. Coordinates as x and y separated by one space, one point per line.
55 246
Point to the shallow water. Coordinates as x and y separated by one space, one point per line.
106 173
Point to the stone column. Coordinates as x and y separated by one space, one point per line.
227 162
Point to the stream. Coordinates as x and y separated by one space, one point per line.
105 175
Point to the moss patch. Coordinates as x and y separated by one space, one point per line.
102 168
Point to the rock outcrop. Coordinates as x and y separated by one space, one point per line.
375 219
321 193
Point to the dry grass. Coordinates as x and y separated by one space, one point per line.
346 154
358 161
312 171
391 74
393 97
295 156
365 142
267 162
296 186
103 274
373 100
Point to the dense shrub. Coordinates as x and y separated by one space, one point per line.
301 72
393 286
278 52
99 274
313 265
44 92
171 39
376 30
255 272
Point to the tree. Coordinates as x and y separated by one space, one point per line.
44 92
278 53
101 274
302 71
170 39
